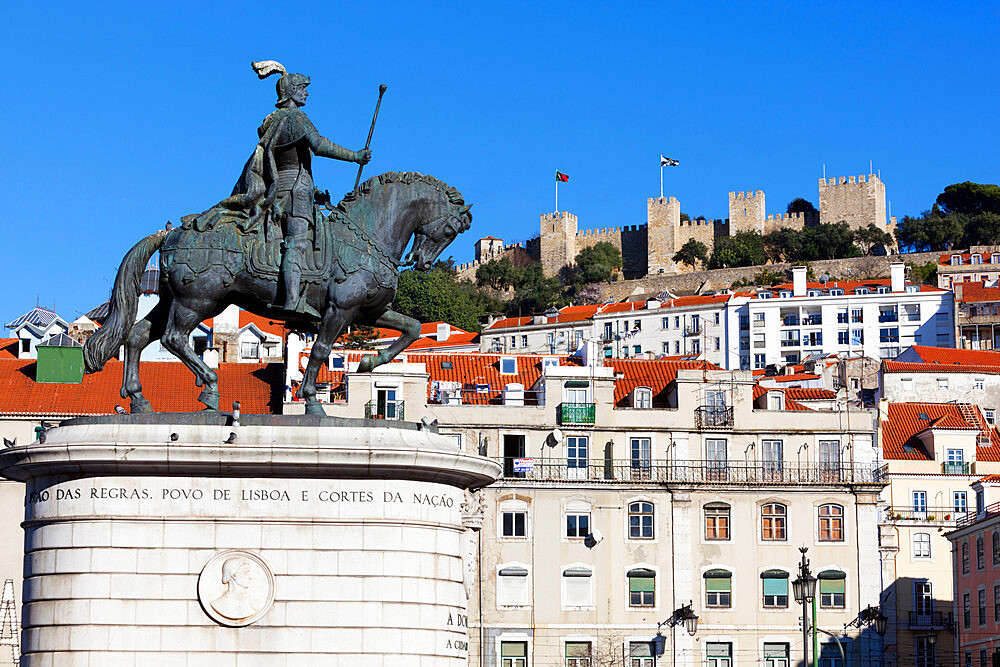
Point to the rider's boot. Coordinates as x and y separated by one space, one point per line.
291 272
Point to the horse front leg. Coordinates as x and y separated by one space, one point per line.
390 319
181 321
334 320
139 337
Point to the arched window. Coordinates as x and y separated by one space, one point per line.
921 545
831 523
832 589
775 587
716 521
773 522
641 587
718 588
640 521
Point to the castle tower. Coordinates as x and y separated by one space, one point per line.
558 241
858 201
746 212
663 219
487 248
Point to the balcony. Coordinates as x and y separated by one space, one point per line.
812 320
955 467
972 517
931 620
758 324
713 416
928 514
576 413
692 330
794 342
888 316
384 410
790 322
710 473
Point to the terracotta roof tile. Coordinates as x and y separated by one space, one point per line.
966 258
653 373
8 348
847 285
906 420
976 292
265 324
169 386
804 394
949 355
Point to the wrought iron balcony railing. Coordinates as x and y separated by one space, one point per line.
937 514
384 410
955 467
692 330
713 416
691 472
576 413
931 620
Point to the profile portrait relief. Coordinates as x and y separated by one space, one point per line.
236 588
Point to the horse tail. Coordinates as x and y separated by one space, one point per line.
106 341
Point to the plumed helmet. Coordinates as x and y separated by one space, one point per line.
286 84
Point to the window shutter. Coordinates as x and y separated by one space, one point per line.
776 585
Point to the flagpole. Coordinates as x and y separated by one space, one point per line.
661 178
557 196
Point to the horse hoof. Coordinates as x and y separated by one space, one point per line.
140 405
315 409
210 399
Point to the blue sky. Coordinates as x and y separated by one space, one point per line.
121 116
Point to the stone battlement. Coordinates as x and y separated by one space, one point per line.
847 180
749 194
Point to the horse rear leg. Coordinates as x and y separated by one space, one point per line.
141 334
334 320
390 319
181 321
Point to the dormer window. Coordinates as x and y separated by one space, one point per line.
912 288
336 363
977 259
549 362
775 400
642 397
956 260
815 292
764 295
785 294
882 290
995 258
836 291
861 290
508 365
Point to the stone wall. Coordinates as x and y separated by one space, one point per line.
854 268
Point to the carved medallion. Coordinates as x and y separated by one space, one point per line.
236 588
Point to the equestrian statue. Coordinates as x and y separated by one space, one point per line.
278 248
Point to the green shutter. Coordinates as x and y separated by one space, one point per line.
831 586
776 585
577 649
513 650
577 384
718 584
640 584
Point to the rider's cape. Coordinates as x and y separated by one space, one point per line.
255 192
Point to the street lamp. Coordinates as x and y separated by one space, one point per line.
870 615
804 589
682 615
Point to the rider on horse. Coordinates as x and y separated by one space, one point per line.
277 180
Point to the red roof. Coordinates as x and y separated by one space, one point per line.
455 339
168 385
906 420
567 314
966 257
265 324
795 377
847 285
790 403
976 292
8 348
950 355
653 373
804 394
990 479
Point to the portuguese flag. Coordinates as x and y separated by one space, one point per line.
561 177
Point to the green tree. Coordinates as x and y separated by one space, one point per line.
828 241
982 229
932 230
598 263
360 337
740 249
783 245
970 198
692 251
871 237
438 296
925 274
498 274
800 205
536 293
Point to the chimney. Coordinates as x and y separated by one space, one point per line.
897 275
958 291
211 357
798 281
443 331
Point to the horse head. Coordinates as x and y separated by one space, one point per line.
441 222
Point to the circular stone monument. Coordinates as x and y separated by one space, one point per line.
188 540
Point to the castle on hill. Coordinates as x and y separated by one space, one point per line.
649 249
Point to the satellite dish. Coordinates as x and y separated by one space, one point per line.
825 278
557 437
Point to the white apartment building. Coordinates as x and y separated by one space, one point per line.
872 318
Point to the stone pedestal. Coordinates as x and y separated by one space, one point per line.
187 540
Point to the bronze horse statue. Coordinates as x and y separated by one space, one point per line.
350 277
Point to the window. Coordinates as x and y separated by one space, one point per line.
718 343
577 654
942 384
641 654
980 554
923 652
576 457
982 657
831 589
641 587
715 455
759 340
512 586
982 606
776 655
665 323
759 361
961 501
906 385
719 654
524 341
956 260
716 318
666 347
513 654
977 259
965 557
990 416
920 503
641 457
978 384
996 547
996 603
967 611
513 341
775 583
576 587
831 523
923 597
843 337
514 518
716 521
677 347
857 315
642 398
836 291
772 522
695 346
719 588
508 365
677 322
921 545
250 349
640 521
888 335
577 522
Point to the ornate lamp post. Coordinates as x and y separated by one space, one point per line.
804 589
682 615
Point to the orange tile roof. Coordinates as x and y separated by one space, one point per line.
653 373
976 292
8 348
795 377
805 394
889 366
168 385
265 324
455 339
903 423
950 355
847 285
790 403
966 258
989 479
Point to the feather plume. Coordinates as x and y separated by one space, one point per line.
266 68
